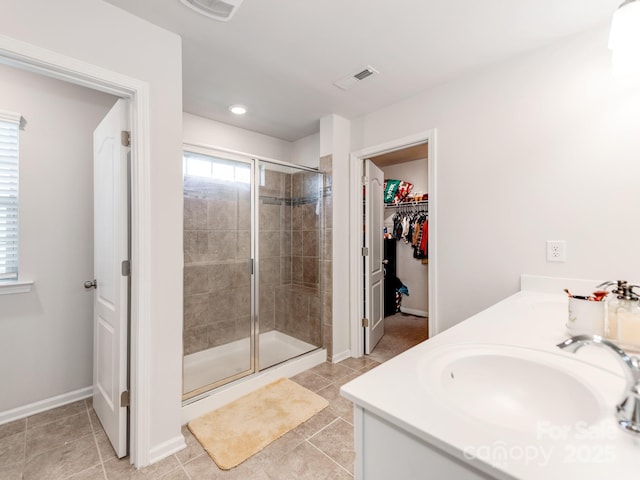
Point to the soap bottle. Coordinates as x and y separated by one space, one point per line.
622 310
610 324
628 319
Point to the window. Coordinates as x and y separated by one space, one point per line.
9 128
196 165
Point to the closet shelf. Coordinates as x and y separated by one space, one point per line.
406 204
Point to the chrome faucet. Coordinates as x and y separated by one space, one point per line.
628 410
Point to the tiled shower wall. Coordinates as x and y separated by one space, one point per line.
274 216
298 311
290 302
217 243
326 258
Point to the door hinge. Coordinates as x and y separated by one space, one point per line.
251 266
126 268
365 251
125 138
124 399
365 322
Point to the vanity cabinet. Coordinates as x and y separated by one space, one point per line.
385 451
410 423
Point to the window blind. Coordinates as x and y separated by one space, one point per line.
9 128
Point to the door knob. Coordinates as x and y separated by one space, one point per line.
91 284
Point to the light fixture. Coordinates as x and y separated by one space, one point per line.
624 38
217 9
238 109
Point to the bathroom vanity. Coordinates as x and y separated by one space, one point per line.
494 398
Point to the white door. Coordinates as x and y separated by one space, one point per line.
374 245
111 298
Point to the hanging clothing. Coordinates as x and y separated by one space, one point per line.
416 234
410 224
424 241
419 247
405 229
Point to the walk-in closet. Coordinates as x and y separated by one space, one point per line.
406 235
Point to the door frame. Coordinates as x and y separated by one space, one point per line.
253 161
25 56
355 228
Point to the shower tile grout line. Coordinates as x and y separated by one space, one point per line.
330 458
350 423
184 470
308 440
24 454
324 428
179 467
95 441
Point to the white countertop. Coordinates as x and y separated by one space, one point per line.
397 392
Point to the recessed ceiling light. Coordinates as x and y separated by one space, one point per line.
238 109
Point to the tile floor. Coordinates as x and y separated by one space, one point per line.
69 443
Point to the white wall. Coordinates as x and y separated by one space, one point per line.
100 34
413 273
334 141
46 336
306 151
543 147
203 131
416 172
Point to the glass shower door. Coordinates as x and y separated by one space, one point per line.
218 334
290 245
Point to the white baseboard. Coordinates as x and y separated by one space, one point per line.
167 448
44 405
412 311
338 357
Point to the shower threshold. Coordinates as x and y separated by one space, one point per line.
217 363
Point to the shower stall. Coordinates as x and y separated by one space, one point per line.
253 276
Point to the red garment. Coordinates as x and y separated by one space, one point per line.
424 240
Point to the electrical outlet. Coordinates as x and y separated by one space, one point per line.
556 251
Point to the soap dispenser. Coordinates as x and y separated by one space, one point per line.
628 319
623 317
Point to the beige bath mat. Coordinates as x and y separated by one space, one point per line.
234 432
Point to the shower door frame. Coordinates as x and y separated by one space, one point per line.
254 162
209 151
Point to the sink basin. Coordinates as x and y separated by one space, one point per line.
514 388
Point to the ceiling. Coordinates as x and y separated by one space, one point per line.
281 57
408 154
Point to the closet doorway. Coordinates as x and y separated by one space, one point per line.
396 261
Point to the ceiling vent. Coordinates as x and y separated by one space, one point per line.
350 81
217 9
